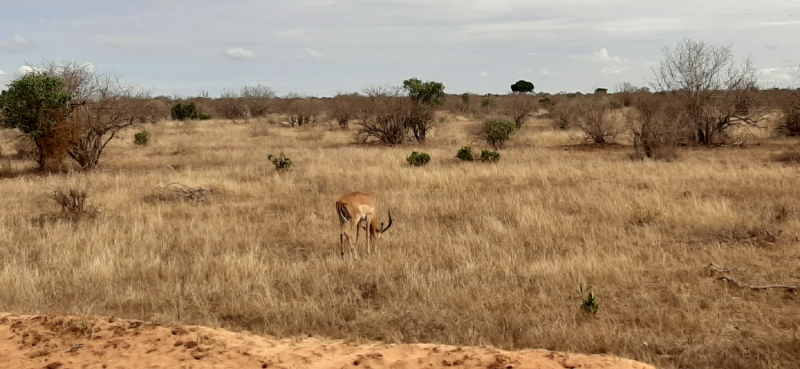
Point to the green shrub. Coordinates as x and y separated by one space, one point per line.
141 138
488 102
36 104
589 305
490 156
418 159
498 131
465 154
187 112
281 162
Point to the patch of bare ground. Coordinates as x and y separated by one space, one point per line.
63 341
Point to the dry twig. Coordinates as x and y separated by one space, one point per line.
182 191
729 279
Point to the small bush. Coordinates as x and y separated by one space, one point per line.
465 154
141 138
490 156
188 112
498 131
488 102
281 162
418 159
589 305
74 202
790 122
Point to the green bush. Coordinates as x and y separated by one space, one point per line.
498 131
488 102
36 104
465 154
281 162
418 159
589 305
490 156
141 138
187 112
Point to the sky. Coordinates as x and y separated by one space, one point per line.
324 47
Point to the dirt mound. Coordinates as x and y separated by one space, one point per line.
61 342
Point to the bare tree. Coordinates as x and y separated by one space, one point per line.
343 108
256 100
596 122
101 106
714 92
655 127
385 116
518 107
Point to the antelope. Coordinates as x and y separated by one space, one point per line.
355 211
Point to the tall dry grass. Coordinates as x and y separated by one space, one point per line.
479 253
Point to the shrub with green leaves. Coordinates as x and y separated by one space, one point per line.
498 131
188 112
141 138
418 159
490 156
36 104
281 162
488 102
465 154
589 304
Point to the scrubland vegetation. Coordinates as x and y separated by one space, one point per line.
688 234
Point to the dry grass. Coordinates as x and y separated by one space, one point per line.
479 253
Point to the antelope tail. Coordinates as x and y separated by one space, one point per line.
343 213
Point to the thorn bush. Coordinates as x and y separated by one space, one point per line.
141 138
488 156
418 159
465 154
281 162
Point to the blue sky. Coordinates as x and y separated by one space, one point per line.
322 47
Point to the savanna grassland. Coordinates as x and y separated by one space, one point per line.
479 254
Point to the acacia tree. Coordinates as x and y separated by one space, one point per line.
522 86
714 92
426 96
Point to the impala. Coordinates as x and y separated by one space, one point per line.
354 209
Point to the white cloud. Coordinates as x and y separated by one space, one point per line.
777 76
14 45
3 73
601 56
314 53
25 69
548 73
239 53
484 74
614 69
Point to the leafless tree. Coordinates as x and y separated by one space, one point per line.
386 116
595 120
714 92
343 108
563 111
518 107
655 126
101 106
256 101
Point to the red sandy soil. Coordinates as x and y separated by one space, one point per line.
70 342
